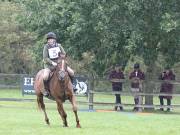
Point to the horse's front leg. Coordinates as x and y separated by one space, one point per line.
41 105
62 112
74 107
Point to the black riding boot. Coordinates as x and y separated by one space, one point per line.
46 88
72 81
71 78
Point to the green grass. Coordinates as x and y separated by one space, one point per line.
23 118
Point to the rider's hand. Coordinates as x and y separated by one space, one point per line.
54 63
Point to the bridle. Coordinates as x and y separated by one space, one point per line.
62 69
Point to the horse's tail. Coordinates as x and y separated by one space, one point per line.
40 103
37 87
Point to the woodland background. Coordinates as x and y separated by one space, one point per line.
96 34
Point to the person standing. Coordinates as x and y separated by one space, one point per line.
137 77
116 76
166 87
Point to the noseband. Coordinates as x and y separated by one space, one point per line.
62 69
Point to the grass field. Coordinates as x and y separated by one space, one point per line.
23 118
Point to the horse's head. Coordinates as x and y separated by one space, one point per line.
61 68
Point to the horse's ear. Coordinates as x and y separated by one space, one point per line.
62 55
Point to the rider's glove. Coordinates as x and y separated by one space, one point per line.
54 63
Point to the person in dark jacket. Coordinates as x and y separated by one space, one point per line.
166 87
137 77
116 76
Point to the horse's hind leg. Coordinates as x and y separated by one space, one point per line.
74 105
42 106
62 112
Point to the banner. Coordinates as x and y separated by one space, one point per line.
80 85
27 85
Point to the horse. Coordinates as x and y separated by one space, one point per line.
60 88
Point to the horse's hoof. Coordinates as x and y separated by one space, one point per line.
78 126
65 125
47 122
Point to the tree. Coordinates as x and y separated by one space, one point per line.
111 31
15 54
157 24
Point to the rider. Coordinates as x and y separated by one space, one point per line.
51 52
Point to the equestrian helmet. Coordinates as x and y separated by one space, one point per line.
51 35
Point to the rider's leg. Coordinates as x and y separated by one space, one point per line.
71 75
45 80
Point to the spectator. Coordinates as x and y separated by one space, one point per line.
166 87
116 76
137 77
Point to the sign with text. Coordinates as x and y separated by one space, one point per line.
27 85
80 85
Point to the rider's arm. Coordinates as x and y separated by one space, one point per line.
46 59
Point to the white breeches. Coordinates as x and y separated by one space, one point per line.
70 71
46 73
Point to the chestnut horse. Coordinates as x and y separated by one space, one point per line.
60 88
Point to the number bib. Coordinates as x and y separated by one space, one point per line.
53 52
